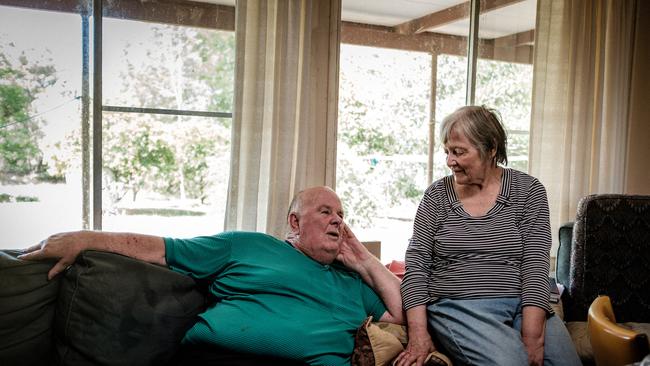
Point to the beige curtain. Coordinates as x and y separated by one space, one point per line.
284 119
581 88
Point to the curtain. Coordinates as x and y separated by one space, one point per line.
285 108
581 89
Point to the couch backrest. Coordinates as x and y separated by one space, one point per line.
27 306
610 255
106 309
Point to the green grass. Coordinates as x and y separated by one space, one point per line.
26 199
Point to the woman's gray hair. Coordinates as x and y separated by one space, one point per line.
483 128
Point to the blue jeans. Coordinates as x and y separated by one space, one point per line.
488 332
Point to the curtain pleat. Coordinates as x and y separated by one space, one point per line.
284 119
581 86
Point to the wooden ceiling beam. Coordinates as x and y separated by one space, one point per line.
177 12
448 15
433 43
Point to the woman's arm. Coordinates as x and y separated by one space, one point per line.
535 230
67 246
532 333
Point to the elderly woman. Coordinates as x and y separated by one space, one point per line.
477 265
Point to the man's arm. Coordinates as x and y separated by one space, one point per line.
66 247
356 257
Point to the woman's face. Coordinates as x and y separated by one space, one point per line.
464 159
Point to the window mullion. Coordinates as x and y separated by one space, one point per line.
472 51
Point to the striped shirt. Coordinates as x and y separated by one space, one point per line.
504 253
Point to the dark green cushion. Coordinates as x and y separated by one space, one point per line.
115 310
27 303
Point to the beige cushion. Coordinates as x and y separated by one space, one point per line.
580 337
379 343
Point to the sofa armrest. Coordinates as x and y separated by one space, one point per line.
27 307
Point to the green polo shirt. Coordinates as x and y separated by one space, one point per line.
273 300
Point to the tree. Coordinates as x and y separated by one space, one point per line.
184 68
383 130
138 156
22 81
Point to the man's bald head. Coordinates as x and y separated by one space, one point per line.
314 223
305 196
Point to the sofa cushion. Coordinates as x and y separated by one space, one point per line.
27 303
115 310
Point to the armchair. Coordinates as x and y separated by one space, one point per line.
605 251
609 254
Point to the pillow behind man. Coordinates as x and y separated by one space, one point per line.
115 310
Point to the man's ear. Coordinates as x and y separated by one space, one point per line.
294 222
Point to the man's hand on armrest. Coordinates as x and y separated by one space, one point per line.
67 246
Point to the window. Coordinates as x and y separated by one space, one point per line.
163 153
382 139
167 85
40 89
399 77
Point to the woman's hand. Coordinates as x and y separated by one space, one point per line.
420 343
416 351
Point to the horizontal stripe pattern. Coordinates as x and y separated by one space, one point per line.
504 253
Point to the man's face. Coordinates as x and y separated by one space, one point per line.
319 224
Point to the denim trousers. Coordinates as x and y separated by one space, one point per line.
488 332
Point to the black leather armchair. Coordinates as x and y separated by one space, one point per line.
607 252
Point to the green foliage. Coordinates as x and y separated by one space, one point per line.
22 81
197 169
173 156
383 129
26 199
135 156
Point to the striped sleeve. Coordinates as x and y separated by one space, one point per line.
535 229
414 287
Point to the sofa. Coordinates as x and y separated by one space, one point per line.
108 309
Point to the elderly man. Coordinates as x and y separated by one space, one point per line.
300 299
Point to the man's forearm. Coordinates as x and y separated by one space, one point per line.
386 285
147 248
66 247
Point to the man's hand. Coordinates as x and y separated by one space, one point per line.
62 246
359 259
351 252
